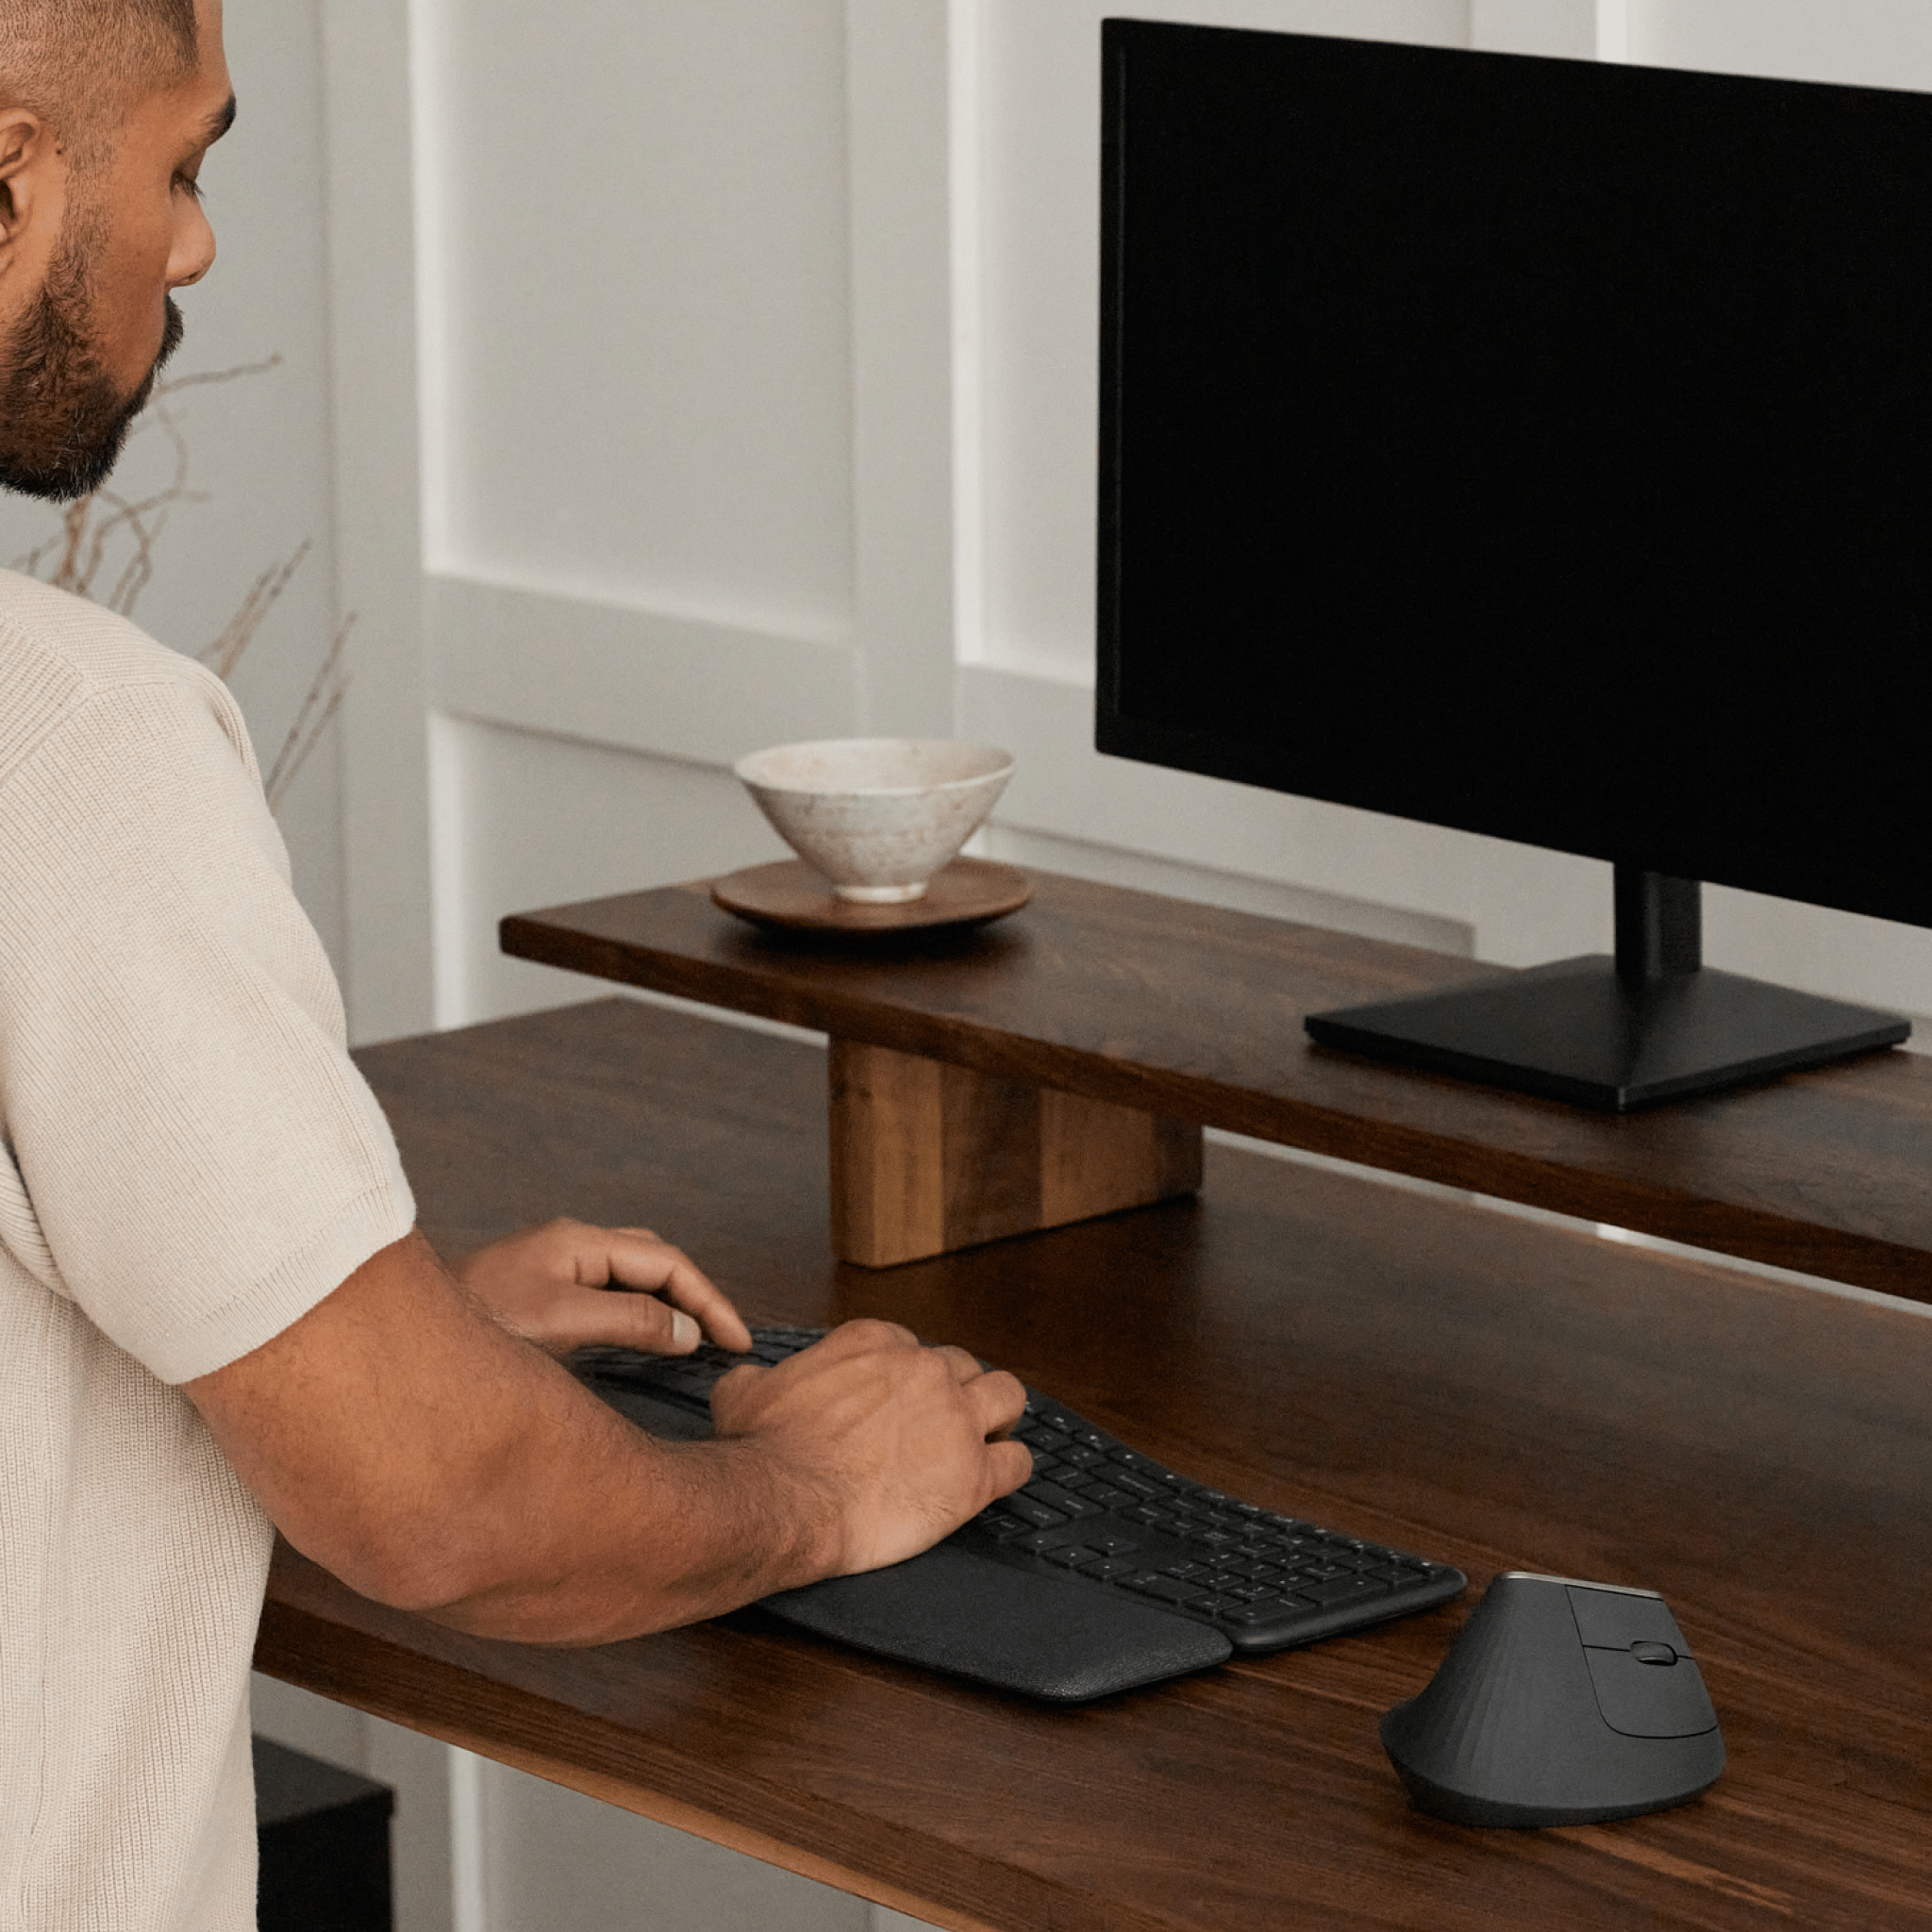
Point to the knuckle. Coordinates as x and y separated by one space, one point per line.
870 1332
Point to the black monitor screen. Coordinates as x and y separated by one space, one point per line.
1528 446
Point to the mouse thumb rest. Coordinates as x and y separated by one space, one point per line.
1560 1703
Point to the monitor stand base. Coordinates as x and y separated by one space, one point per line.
1577 1031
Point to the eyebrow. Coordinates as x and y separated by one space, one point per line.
219 123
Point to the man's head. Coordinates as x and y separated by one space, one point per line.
107 110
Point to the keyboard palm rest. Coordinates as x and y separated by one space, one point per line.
1106 1571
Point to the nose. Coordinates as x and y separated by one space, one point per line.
194 253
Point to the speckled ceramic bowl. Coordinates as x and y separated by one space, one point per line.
878 816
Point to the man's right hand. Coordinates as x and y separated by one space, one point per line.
902 1443
433 1460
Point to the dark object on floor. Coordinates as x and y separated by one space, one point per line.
1561 1703
324 1835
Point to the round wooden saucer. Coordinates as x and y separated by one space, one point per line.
795 896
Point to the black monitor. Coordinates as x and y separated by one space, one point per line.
1543 449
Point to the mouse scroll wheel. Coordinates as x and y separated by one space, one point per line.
1647 1653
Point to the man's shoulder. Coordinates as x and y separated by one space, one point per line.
58 654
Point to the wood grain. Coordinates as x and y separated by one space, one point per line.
927 1159
1193 1013
1494 1392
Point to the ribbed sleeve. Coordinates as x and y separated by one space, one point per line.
203 1161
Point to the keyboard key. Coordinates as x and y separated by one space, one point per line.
1107 1570
1251 1616
1064 1424
1056 1498
1000 1523
1168 1588
1139 1484
1038 1514
1187 1573
1343 1589
1070 1555
1043 1440
1112 1546
1107 1498
1079 1456
1214 1605
1039 1543
1211 1538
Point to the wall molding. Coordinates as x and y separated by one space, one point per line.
388 937
646 682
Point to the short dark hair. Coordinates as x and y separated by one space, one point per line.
82 64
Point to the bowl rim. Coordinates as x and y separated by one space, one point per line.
1001 769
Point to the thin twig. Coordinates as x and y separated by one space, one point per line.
202 378
297 745
89 528
226 651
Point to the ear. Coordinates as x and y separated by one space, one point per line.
27 148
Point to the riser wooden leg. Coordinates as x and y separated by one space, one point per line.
928 1157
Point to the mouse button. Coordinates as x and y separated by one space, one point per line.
1616 1619
1643 1700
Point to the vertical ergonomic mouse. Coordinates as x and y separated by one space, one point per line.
1560 1703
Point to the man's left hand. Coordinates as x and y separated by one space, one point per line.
566 1285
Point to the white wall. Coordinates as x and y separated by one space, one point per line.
258 448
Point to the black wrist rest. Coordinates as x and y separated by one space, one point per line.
955 1611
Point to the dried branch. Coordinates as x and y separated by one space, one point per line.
226 651
98 525
203 378
329 691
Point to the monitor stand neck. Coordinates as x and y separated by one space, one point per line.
1659 927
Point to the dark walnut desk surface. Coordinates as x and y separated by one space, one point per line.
1496 1391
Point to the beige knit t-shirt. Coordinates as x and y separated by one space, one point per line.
188 1162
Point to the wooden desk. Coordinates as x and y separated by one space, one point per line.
1132 1001
1497 1392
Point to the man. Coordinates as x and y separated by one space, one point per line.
214 1313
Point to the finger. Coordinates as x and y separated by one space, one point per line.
728 1392
634 1260
998 1399
1011 1464
582 1316
965 1367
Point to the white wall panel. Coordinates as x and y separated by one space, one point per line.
639 273
1565 28
682 687
556 1859
534 820
1865 42
1038 271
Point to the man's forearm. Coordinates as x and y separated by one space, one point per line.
403 1440
595 1531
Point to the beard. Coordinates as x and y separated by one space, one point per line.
63 421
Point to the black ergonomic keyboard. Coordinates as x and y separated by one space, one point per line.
1106 1571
